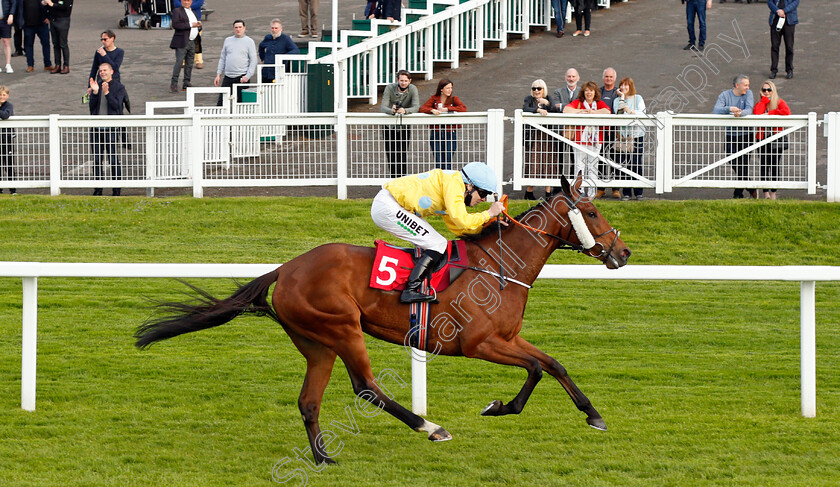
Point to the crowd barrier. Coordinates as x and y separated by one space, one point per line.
197 146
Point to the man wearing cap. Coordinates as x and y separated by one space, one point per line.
401 206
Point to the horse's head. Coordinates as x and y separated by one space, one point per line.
591 230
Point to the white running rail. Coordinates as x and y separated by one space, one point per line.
806 275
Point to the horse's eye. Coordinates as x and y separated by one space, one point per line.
591 214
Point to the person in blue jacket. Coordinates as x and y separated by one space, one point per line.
275 43
779 29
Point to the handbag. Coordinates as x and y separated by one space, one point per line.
623 144
779 145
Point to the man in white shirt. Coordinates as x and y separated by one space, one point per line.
183 41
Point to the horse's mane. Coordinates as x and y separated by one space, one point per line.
493 228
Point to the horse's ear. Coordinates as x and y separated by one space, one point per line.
578 181
564 184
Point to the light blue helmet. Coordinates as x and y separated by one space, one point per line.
480 175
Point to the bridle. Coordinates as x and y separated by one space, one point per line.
565 243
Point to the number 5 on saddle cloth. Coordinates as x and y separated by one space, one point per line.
391 268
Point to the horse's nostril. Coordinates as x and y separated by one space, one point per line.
626 253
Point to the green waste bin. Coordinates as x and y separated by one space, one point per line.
320 96
249 96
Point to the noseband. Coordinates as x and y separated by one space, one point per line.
564 243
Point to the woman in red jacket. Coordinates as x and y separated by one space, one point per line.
443 138
588 102
770 104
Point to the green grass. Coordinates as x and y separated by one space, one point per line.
697 381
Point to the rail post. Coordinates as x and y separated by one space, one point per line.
29 343
418 381
808 347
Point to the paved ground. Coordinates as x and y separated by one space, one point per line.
640 38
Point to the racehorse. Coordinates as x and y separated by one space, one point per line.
323 301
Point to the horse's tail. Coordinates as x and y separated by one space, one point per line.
205 311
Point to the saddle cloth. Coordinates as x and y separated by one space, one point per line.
393 264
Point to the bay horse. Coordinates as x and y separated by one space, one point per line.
323 301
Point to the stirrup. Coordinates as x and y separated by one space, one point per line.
412 296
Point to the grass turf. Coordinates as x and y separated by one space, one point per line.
698 381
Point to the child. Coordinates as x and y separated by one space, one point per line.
7 136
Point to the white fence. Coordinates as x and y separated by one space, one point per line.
193 144
669 151
807 275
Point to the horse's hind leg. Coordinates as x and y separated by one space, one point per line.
553 367
354 354
319 365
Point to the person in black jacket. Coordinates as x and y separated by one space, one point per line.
106 98
35 23
539 148
186 26
59 12
7 138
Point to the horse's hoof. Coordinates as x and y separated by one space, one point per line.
440 434
492 409
327 460
597 423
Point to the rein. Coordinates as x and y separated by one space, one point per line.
565 243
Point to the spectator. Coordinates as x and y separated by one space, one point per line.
782 9
400 98
608 94
308 10
186 26
565 95
7 138
275 43
35 23
106 98
107 53
559 7
8 11
562 97
696 8
238 61
588 102
443 138
629 144
737 102
59 14
18 36
771 104
583 13
391 9
196 9
373 9
538 146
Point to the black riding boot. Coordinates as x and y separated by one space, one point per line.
425 264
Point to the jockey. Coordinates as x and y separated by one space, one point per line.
399 208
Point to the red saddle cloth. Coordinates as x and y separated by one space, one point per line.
392 266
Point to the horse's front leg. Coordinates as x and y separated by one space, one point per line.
557 371
499 351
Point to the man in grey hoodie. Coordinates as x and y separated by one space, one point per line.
400 98
238 61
